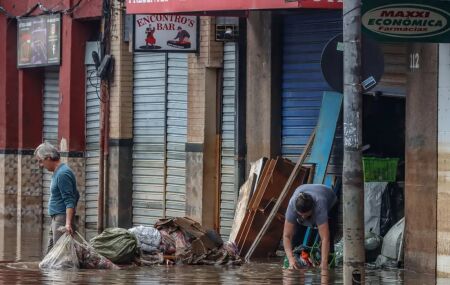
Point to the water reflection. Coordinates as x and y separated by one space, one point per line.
262 272
268 272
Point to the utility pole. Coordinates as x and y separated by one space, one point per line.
104 118
353 187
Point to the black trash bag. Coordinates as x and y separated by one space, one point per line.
392 207
397 202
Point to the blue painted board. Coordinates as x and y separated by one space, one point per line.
325 130
323 142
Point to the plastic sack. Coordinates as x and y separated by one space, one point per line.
148 237
116 244
62 256
89 258
372 241
373 193
339 252
167 242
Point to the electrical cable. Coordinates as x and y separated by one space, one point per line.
44 10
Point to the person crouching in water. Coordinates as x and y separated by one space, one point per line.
64 195
310 205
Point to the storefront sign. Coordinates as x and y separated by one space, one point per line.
421 21
177 6
165 32
321 4
39 41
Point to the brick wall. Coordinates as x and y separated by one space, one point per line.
210 56
121 97
119 186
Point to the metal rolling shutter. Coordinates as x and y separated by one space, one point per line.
92 149
393 82
229 191
177 88
50 127
304 37
50 134
149 104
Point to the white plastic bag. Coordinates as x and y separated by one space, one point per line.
373 191
149 238
62 256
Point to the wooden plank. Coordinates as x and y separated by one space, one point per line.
259 192
254 202
259 166
241 207
269 195
282 196
270 241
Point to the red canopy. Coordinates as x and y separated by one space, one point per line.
179 6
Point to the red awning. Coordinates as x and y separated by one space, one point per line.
180 6
321 4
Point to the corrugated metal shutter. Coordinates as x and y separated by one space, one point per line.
229 190
50 134
177 88
50 127
304 37
92 149
149 105
393 82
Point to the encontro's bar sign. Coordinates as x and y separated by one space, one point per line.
422 21
178 6
165 32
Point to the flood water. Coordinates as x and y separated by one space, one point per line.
19 265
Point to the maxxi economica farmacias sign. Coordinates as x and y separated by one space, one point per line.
418 21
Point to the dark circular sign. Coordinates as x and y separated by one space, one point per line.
372 63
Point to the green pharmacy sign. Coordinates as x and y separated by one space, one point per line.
412 21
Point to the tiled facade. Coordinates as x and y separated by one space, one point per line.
29 206
29 188
8 185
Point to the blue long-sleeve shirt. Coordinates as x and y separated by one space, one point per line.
63 191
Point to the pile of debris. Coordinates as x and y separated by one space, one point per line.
170 241
257 199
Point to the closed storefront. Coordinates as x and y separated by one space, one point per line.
92 152
228 168
159 131
305 34
49 134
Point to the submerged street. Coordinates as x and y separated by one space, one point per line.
19 265
165 142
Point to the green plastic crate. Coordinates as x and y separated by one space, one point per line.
380 169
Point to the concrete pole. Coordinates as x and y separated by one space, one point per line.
353 190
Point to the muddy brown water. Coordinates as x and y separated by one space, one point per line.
19 265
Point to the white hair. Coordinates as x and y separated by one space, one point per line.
47 150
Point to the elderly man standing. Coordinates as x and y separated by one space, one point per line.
64 195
